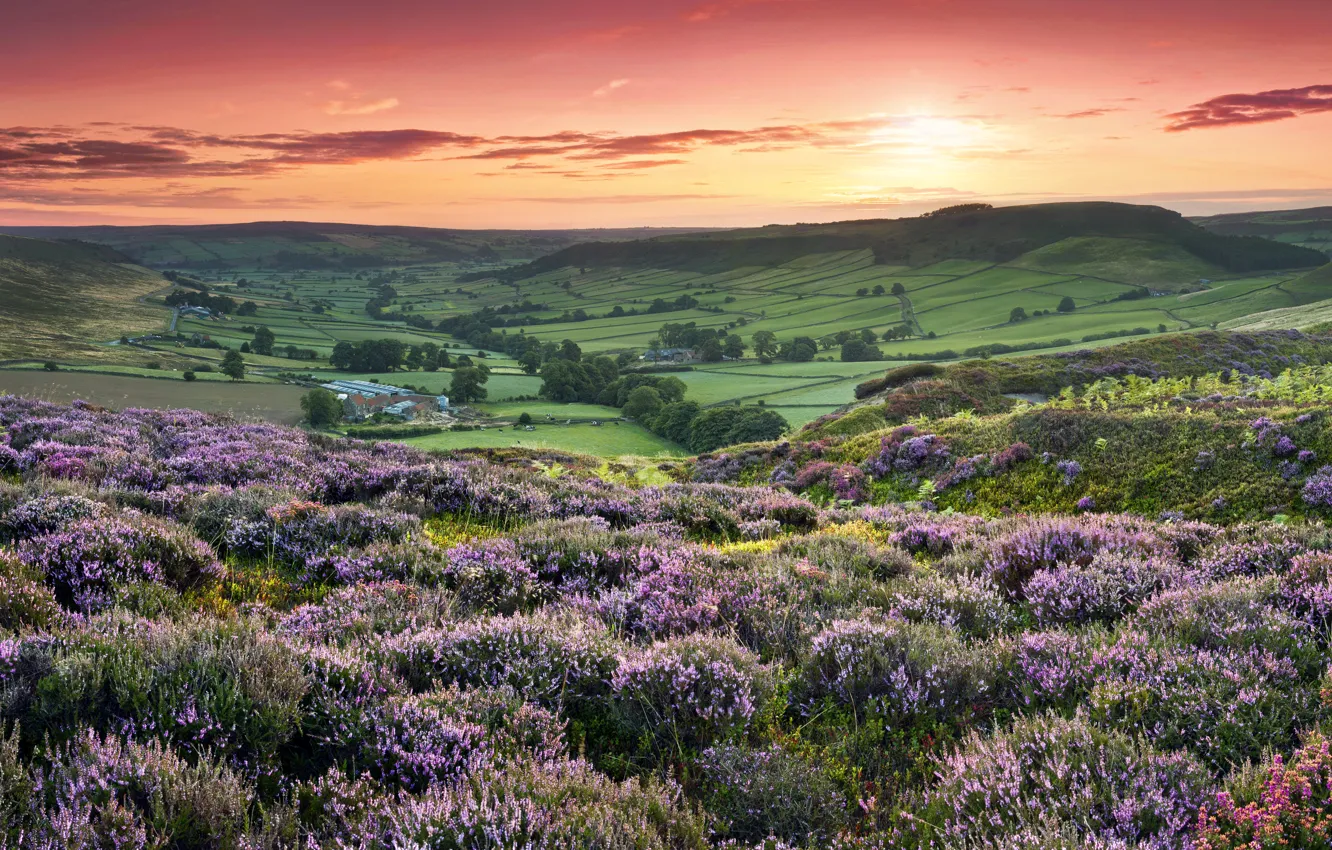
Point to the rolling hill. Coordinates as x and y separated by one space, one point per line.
981 234
63 297
1311 228
291 245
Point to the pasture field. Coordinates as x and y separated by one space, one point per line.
1117 284
269 402
963 303
610 440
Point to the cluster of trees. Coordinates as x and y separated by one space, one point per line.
388 355
383 299
216 303
1019 314
478 328
685 423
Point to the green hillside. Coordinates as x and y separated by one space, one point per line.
971 233
291 245
1135 261
63 297
1311 228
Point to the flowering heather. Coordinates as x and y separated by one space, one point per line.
690 691
1290 807
1048 771
906 451
89 559
218 636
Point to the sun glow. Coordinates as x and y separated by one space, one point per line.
930 135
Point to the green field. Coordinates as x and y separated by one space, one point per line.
610 440
1125 270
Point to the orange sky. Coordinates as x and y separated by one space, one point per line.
517 113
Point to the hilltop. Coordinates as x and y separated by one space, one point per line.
970 232
63 297
288 245
1311 227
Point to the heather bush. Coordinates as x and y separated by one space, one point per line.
971 605
99 791
848 556
553 659
366 611
1049 774
47 513
1287 805
1040 544
1225 706
1231 615
88 559
417 562
1103 591
771 792
231 690
906 670
542 807
689 692
25 603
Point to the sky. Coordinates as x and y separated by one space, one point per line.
608 113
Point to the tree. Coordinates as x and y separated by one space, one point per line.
245 348
898 289
868 336
468 385
248 308
233 366
51 366
525 418
734 347
857 350
263 341
710 351
757 426
1066 305
862 291
765 344
530 362
672 422
1161 328
1018 315
322 408
643 405
189 375
878 289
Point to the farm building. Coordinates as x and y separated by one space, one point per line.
362 399
676 354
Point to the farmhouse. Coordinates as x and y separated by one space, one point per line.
363 399
674 354
197 312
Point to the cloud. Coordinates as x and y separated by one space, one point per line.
641 164
1091 113
610 87
1261 108
710 11
59 153
342 107
621 199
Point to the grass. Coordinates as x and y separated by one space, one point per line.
62 299
267 401
610 440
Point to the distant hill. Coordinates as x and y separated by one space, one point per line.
290 245
59 297
1311 227
989 235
